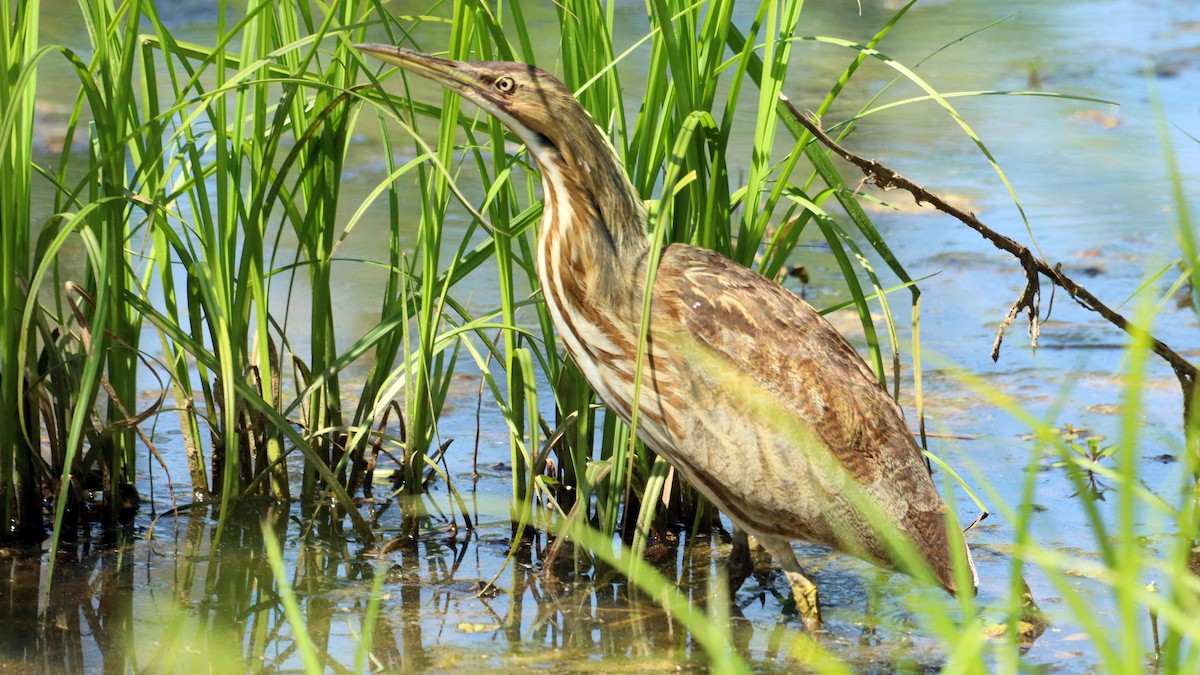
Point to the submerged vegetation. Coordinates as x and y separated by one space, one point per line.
196 222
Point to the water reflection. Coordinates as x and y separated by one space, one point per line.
176 598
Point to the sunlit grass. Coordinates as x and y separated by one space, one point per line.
20 427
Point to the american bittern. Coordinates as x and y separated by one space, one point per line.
760 403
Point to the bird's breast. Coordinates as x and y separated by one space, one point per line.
599 329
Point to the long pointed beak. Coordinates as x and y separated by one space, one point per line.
446 72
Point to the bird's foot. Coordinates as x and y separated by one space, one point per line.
804 592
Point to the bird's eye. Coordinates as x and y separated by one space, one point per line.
505 84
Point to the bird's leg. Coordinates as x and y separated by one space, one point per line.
804 592
741 564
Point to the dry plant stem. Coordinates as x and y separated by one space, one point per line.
887 179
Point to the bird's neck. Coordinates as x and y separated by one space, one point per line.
590 259
593 224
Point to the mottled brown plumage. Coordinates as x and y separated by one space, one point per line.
746 390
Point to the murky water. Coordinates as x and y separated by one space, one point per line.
1090 178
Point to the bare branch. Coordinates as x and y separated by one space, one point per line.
1028 302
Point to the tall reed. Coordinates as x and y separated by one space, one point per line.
255 144
20 422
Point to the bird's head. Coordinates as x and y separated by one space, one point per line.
562 138
528 100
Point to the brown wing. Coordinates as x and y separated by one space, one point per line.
762 332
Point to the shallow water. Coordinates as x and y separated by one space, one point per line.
1091 180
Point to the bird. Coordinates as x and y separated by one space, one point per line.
745 389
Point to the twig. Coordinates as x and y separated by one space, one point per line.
1028 302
